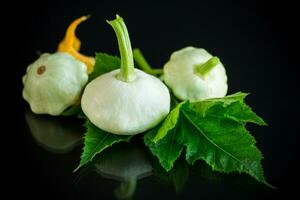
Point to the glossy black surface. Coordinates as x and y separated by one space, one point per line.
254 41
124 171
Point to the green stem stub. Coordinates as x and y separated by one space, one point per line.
205 68
127 63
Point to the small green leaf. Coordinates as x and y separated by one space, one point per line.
231 106
205 105
95 141
104 63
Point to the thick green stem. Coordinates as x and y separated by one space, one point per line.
127 64
144 65
205 68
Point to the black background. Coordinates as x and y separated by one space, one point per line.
253 39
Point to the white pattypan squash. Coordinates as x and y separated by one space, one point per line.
125 101
194 74
126 108
53 83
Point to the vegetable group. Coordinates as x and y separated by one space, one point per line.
126 101
120 101
193 74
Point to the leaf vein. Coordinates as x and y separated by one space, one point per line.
209 138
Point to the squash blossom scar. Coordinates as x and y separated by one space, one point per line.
40 70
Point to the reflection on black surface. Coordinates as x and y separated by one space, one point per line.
126 163
55 134
177 176
130 165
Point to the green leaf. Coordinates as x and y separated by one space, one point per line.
95 141
224 144
167 149
236 109
205 105
214 131
104 63
168 124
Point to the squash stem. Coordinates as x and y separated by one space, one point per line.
127 64
71 44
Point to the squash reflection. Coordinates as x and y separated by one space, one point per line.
126 163
54 134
